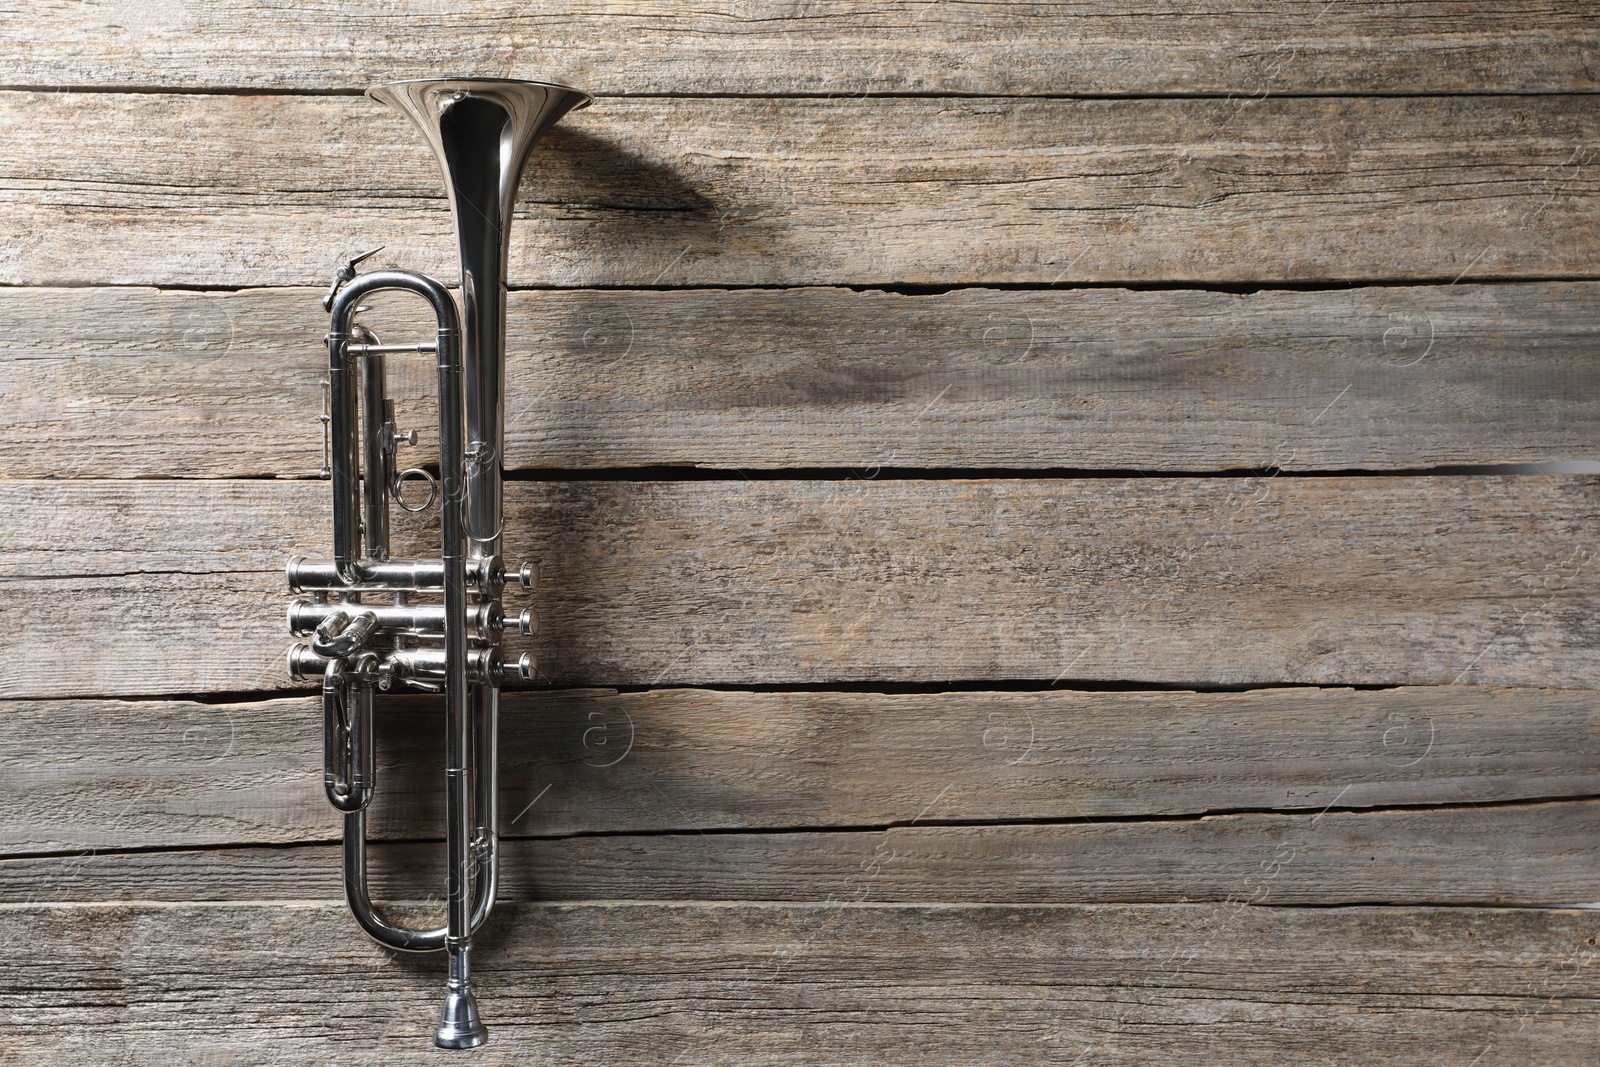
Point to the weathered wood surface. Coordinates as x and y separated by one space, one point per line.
111 382
869 177
82 776
766 46
1471 854
244 190
176 586
759 983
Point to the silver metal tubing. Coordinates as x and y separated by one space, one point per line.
409 665
486 797
375 449
462 1027
344 466
482 665
384 350
304 664
485 619
484 576
342 376
336 740
453 657
357 894
359 897
348 773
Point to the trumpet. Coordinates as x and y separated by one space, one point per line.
430 625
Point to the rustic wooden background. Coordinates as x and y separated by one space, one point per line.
1057 520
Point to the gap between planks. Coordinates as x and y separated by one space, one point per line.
816 381
152 772
1012 190
1369 581
1538 854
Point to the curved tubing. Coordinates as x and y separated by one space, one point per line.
347 777
381 930
343 397
468 903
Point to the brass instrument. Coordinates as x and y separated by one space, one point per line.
376 623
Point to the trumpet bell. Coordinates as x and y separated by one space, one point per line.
481 131
458 116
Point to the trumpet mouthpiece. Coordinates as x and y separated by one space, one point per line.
461 1027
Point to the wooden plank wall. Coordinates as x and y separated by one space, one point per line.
1059 532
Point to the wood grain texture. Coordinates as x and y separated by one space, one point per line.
763 46
756 984
123 188
1471 854
177 585
937 878
111 382
84 776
